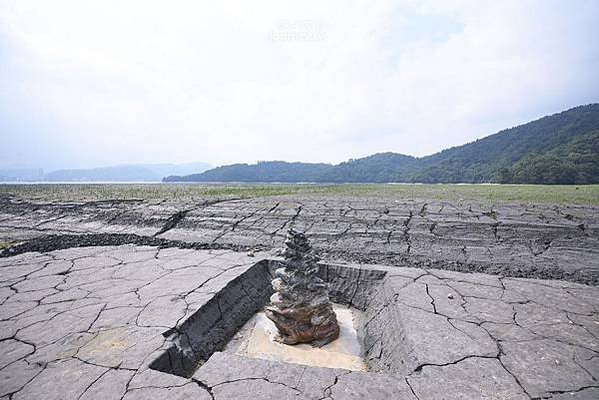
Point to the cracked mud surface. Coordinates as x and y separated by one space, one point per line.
483 336
518 240
85 323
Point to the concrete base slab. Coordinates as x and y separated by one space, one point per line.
257 340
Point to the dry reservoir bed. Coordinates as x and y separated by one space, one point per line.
138 322
556 241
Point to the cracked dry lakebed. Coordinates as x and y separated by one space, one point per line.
451 300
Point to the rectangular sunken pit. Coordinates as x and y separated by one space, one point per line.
227 320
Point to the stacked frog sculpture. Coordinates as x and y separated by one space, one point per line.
300 307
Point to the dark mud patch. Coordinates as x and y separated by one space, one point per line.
514 270
508 269
61 242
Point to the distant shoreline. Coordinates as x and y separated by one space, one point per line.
199 183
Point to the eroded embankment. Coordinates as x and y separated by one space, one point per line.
60 242
519 240
512 269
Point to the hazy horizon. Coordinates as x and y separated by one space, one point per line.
126 164
111 83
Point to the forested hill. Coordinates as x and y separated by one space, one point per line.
562 149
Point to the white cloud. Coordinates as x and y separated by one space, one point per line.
131 81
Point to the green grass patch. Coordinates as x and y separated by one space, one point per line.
6 245
553 194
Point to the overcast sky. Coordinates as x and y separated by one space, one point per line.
91 83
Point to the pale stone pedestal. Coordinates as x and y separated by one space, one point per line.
256 340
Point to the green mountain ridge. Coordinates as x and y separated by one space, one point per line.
561 148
